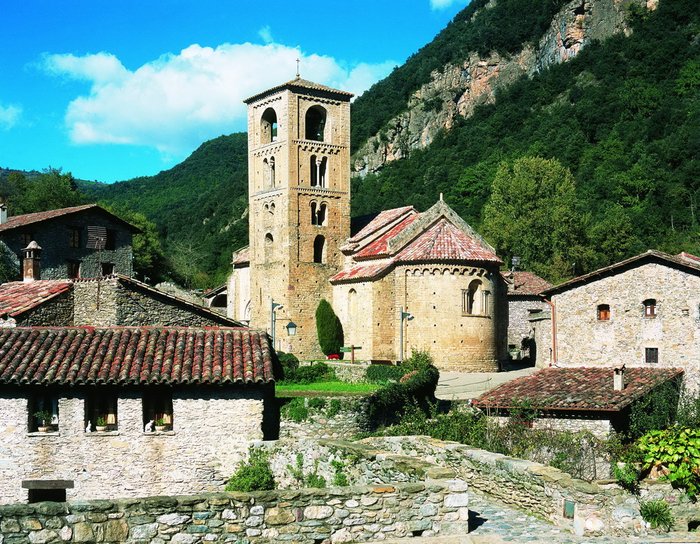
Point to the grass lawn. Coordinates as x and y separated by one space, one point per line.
324 389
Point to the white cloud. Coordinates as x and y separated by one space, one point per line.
266 34
9 115
443 4
177 101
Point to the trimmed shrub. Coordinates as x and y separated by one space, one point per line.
254 474
318 372
289 364
329 329
384 373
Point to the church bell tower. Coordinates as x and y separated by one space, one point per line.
299 205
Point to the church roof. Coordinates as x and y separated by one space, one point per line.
303 85
380 246
381 220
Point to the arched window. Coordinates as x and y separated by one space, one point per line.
314 171
470 299
314 217
319 249
272 171
268 126
272 208
321 214
649 307
352 305
603 312
269 241
321 166
266 173
485 299
315 123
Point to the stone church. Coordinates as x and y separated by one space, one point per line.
405 281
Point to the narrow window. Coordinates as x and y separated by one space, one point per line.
315 123
101 411
266 173
74 237
485 302
158 409
43 412
314 171
649 307
352 304
269 241
272 171
111 241
319 249
603 312
651 355
268 126
314 217
469 298
321 215
73 269
322 172
107 269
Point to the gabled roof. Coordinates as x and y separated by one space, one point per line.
522 283
363 271
381 220
301 84
242 256
379 247
682 261
577 388
134 355
17 221
17 297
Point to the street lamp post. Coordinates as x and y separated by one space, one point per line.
274 306
405 316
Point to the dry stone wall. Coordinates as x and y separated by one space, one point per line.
57 312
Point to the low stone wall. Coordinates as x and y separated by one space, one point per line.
341 425
542 490
349 372
301 516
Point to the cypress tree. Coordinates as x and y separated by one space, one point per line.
329 329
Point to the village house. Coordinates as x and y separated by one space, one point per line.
524 305
406 281
90 413
78 242
640 312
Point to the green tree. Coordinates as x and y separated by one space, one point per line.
532 213
329 329
50 190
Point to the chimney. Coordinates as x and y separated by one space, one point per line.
3 211
619 378
31 255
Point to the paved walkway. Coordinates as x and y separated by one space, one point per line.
469 385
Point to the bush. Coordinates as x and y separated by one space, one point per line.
254 474
309 374
419 360
655 411
289 364
296 410
334 408
329 329
384 373
312 479
317 403
657 513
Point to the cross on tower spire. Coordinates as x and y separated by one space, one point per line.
298 61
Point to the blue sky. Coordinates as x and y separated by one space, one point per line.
110 90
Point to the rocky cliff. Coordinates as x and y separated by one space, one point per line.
459 88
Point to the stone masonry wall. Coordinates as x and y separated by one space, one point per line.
583 340
519 326
364 514
56 312
211 433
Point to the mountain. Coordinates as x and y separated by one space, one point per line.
199 206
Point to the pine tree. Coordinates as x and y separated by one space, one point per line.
329 329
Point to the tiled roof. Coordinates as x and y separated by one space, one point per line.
362 272
17 221
133 355
381 220
577 388
380 247
242 256
444 241
300 84
525 283
16 297
687 261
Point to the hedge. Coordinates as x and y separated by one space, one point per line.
384 373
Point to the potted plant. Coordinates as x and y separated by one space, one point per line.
161 425
100 424
43 417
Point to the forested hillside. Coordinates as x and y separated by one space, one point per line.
199 207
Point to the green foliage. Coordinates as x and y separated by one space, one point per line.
311 479
296 410
688 414
627 477
329 329
340 479
309 374
419 360
385 373
676 449
43 416
657 513
334 408
522 411
655 411
387 405
43 191
289 363
254 474
317 403
9 264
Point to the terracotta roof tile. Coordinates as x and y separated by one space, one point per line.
134 355
242 256
362 272
302 84
577 388
17 297
525 283
17 221
381 220
379 247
